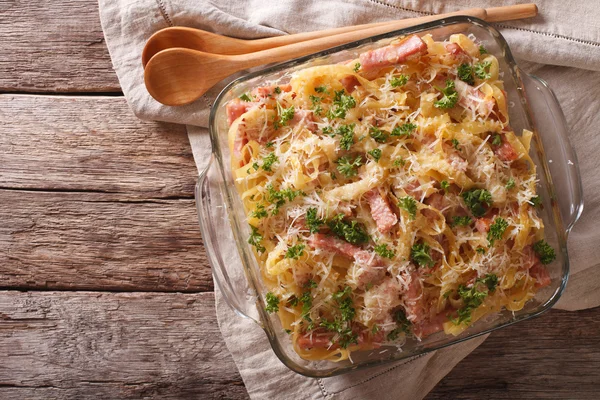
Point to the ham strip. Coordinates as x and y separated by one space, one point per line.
349 83
506 152
473 99
380 211
236 107
392 54
268 91
304 117
540 274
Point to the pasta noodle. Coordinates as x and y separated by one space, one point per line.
388 196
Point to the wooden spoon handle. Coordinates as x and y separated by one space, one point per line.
509 13
295 50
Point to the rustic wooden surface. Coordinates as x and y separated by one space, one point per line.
98 237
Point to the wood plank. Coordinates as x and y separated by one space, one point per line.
555 356
114 346
91 144
97 241
54 46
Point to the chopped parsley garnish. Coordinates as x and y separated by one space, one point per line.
482 50
449 98
384 251
476 200
375 153
345 302
272 303
316 104
455 144
497 140
510 183
480 250
445 185
404 130
277 90
341 104
245 97
481 70
347 133
497 230
378 135
347 166
269 145
352 232
342 325
399 162
255 238
465 73
402 325
535 201
285 115
409 204
398 81
288 331
306 300
419 254
312 221
544 251
321 89
328 131
259 212
473 297
461 221
268 161
279 197
295 251
356 67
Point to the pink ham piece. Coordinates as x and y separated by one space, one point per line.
431 325
236 107
380 211
372 266
392 54
473 99
350 83
317 339
457 52
483 225
506 152
304 117
540 274
268 91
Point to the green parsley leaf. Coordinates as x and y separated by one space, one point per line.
293 301
473 297
341 104
272 303
480 250
497 140
312 221
285 114
384 251
295 251
328 131
268 161
375 153
352 232
449 98
447 293
510 183
255 238
259 212
348 167
465 73
245 97
321 89
409 204
356 67
482 50
399 162
445 185
497 230
277 90
279 197
476 200
402 325
481 70
347 133
378 135
419 254
535 201
288 331
404 130
397 81
455 144
315 104
461 221
306 300
269 145
544 251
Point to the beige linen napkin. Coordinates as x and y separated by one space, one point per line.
562 45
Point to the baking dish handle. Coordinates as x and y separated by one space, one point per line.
562 161
220 246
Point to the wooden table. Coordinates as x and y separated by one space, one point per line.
105 287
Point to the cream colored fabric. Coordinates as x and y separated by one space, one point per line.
562 45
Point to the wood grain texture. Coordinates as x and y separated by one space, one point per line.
86 345
54 46
555 356
91 144
97 241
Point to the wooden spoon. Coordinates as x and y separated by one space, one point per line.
179 76
197 39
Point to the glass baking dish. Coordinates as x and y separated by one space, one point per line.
225 230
